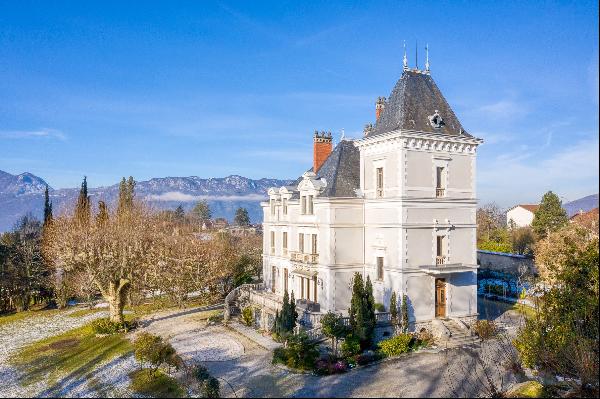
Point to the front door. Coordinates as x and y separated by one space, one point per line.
440 297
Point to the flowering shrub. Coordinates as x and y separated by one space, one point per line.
396 345
327 366
485 328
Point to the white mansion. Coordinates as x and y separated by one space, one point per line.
397 205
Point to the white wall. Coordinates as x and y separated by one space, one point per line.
520 216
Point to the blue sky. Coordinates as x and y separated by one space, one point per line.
216 88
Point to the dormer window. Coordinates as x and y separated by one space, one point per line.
303 205
310 206
272 204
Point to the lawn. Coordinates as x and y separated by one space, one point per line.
11 318
73 354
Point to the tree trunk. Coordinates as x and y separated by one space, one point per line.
116 296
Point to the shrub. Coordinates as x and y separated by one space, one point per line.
248 316
106 327
350 346
200 373
425 336
379 307
211 388
396 345
151 349
329 365
300 353
485 329
155 384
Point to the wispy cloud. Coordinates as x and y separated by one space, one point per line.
572 172
32 134
178 196
504 109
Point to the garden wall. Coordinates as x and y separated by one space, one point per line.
505 263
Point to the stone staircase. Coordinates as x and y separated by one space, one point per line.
459 336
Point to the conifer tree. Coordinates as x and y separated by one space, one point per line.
369 304
404 314
82 209
179 214
126 195
47 207
550 215
394 309
241 217
293 313
102 216
202 211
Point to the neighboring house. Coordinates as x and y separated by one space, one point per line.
582 217
397 205
521 215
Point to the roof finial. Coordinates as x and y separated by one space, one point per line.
343 135
405 60
416 55
427 57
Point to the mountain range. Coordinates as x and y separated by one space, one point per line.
24 194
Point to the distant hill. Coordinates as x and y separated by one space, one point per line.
24 193
582 204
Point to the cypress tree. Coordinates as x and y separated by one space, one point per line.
357 308
47 207
370 319
404 314
394 309
179 213
126 195
293 312
82 209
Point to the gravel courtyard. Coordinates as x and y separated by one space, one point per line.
244 366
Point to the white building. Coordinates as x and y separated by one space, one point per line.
521 215
397 205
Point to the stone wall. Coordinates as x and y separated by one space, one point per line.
505 263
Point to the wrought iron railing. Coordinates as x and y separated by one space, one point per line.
301 257
440 260
440 192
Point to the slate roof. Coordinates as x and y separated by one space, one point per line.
341 171
413 100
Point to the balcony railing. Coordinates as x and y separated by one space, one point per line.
440 192
304 258
440 260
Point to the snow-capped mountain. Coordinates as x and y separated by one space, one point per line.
24 193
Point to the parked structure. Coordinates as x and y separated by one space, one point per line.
397 205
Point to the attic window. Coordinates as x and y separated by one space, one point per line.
436 120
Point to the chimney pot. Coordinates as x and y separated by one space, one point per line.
379 107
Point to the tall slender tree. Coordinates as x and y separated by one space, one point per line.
102 216
394 309
47 207
82 209
126 195
369 305
241 217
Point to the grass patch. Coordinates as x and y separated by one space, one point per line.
157 385
529 389
85 312
74 354
12 317
525 310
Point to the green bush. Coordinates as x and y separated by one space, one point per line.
211 388
152 350
155 384
350 346
485 329
248 316
379 307
396 345
105 326
300 352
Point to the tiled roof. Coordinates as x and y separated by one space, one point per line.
341 171
529 207
415 99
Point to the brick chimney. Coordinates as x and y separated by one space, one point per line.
379 106
322 147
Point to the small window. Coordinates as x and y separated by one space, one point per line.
284 242
314 244
285 206
440 257
440 184
272 242
379 191
273 278
272 207
380 268
300 242
303 205
310 205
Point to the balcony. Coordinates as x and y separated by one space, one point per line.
440 260
440 192
301 257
